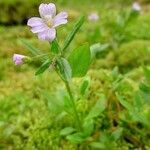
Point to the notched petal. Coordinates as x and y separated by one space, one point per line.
47 9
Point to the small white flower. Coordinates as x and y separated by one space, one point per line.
93 17
45 26
136 6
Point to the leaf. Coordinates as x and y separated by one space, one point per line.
97 145
138 101
115 73
79 60
147 73
53 102
146 97
117 133
68 105
97 48
145 88
84 86
55 48
88 127
124 103
43 67
31 48
145 92
66 131
120 22
97 109
71 35
76 138
65 69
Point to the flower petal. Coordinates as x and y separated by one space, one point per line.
34 21
39 28
47 9
60 22
48 35
60 19
61 15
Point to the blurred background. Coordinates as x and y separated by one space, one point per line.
24 110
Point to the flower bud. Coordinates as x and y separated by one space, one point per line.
20 59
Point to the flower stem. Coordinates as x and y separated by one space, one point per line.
73 105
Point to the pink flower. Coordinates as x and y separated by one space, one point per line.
18 59
93 17
136 6
45 26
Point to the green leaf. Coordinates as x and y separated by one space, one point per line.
115 73
147 73
88 127
43 67
31 48
145 88
84 86
117 133
64 69
71 35
97 48
124 103
97 109
55 48
145 91
68 105
138 102
79 60
120 22
53 102
97 145
66 131
76 138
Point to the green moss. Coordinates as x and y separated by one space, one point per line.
134 54
129 55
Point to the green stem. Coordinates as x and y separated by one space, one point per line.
73 105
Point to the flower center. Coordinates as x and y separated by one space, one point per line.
48 20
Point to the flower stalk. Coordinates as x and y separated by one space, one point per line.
72 100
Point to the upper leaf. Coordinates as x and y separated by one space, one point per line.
79 60
55 48
75 29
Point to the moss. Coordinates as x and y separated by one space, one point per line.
140 28
127 56
133 54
